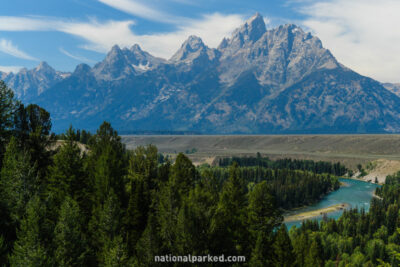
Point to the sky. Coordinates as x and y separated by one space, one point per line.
362 34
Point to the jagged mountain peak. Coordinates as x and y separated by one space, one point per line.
191 44
44 66
192 49
224 43
194 42
291 30
280 80
140 59
114 66
125 62
282 55
256 25
115 49
115 53
82 68
30 83
136 54
136 47
250 32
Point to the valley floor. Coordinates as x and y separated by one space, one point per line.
382 152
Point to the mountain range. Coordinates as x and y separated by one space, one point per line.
258 81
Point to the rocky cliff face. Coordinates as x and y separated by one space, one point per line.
29 84
393 87
259 80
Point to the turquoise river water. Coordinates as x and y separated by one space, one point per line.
355 193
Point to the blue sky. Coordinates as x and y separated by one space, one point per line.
362 34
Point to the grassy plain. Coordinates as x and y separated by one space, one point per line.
348 149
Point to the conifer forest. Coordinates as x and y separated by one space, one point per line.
83 199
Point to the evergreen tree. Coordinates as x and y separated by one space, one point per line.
105 225
391 218
183 174
3 252
28 249
115 254
69 241
167 216
171 197
300 246
35 136
107 164
283 250
194 220
142 174
67 176
17 186
135 219
10 201
150 243
313 258
7 110
263 217
257 258
228 227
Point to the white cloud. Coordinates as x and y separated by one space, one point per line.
101 36
362 34
8 69
211 28
139 9
7 47
76 57
8 23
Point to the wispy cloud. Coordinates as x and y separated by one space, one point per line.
8 69
76 57
7 47
362 34
139 9
8 23
101 36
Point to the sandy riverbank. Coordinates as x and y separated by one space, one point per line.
314 213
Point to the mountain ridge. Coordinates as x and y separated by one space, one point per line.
260 80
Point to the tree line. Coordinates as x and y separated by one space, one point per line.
108 206
290 188
319 167
357 238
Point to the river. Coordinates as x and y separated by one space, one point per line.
355 193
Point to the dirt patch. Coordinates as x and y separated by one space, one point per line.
315 213
382 168
57 144
199 161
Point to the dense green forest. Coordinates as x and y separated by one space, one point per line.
108 206
291 164
357 238
290 188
